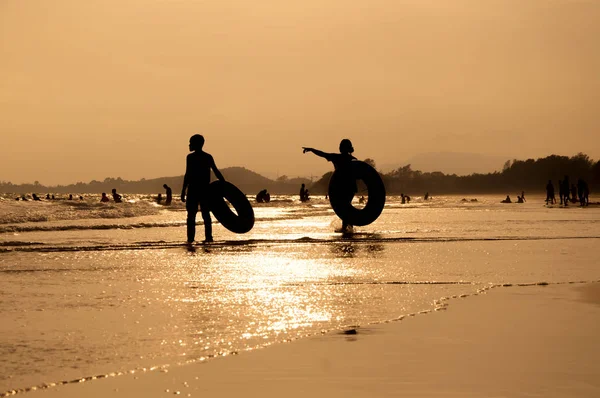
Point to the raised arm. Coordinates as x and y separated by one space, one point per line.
318 153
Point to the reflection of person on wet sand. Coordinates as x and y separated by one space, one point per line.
342 164
197 181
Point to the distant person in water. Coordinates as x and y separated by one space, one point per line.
263 197
70 196
523 196
47 196
583 191
403 198
104 198
342 163
197 181
303 195
573 193
550 198
426 196
116 197
520 199
35 197
169 194
507 200
565 188
159 198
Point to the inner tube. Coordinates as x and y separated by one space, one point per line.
241 222
341 199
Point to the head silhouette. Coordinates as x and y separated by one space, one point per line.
196 142
346 146
165 186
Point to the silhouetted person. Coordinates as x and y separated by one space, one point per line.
169 194
342 162
407 198
35 197
23 197
47 196
159 198
426 195
561 193
116 196
104 198
80 197
52 197
550 198
523 196
573 193
565 190
520 199
197 181
583 191
403 198
507 200
263 197
70 196
303 195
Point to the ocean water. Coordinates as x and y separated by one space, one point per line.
91 289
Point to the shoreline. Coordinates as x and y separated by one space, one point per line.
536 340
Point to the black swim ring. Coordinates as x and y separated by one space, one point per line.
341 202
241 222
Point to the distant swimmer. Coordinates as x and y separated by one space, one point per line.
523 196
507 200
426 196
303 193
342 163
48 196
169 194
35 197
197 181
263 197
116 196
70 196
104 198
159 198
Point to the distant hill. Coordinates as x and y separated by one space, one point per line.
459 163
246 180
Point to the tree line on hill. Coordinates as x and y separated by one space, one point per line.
517 175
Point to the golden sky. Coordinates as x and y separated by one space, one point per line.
98 88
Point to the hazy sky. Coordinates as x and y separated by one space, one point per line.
98 88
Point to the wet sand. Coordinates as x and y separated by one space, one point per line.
508 342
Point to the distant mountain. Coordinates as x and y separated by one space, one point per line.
246 180
458 163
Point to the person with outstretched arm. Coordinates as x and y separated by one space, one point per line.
196 181
343 166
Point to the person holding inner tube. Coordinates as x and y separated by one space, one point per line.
196 181
342 163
